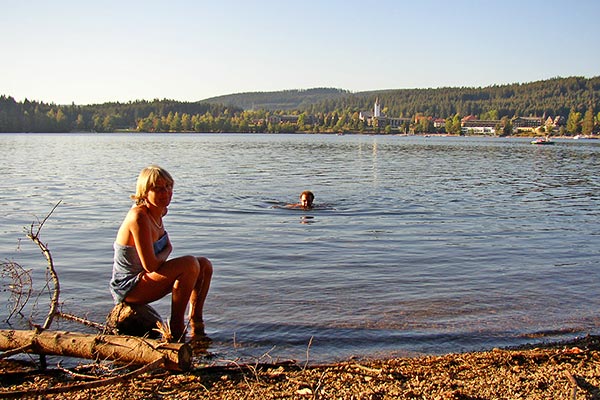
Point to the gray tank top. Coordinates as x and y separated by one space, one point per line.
127 268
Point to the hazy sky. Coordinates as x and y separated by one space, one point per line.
97 51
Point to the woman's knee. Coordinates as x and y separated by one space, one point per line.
206 267
190 267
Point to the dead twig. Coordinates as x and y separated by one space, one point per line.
20 286
86 322
35 237
83 386
575 384
308 352
375 371
19 350
75 374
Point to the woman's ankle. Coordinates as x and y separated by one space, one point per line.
178 331
197 327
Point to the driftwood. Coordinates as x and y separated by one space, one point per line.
125 349
46 391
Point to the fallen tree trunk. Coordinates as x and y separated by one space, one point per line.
125 349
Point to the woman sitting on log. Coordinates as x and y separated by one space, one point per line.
142 272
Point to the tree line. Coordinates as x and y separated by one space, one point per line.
321 110
34 116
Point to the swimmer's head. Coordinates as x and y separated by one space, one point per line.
306 199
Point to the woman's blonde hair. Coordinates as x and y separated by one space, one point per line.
147 180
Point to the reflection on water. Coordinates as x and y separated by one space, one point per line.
307 219
418 245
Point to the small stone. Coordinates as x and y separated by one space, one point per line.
304 392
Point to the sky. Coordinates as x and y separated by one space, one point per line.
90 52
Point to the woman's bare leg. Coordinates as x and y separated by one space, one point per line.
198 296
177 276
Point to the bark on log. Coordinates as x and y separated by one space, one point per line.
125 349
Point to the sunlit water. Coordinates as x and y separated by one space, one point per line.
417 245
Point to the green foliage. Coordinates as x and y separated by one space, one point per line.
490 115
453 124
506 127
587 125
574 122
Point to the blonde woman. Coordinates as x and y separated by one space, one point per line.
142 270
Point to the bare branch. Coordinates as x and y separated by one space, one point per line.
41 224
86 322
19 350
82 386
35 237
20 286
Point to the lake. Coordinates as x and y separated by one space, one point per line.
417 244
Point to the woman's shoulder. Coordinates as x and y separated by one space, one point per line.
137 213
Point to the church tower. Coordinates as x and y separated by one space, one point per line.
377 109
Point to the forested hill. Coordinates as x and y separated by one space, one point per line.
327 109
556 96
280 100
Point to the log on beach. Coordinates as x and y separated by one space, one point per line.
125 349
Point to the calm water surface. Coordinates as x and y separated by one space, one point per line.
418 245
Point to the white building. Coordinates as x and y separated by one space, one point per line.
376 118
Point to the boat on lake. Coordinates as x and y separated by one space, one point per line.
542 141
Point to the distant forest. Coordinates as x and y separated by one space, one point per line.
317 110
281 100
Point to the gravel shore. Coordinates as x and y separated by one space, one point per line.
568 370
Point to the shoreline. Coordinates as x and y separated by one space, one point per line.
553 370
351 133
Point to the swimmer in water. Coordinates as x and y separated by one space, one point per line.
306 201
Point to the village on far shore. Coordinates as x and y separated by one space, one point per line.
376 120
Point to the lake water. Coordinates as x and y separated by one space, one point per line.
417 245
